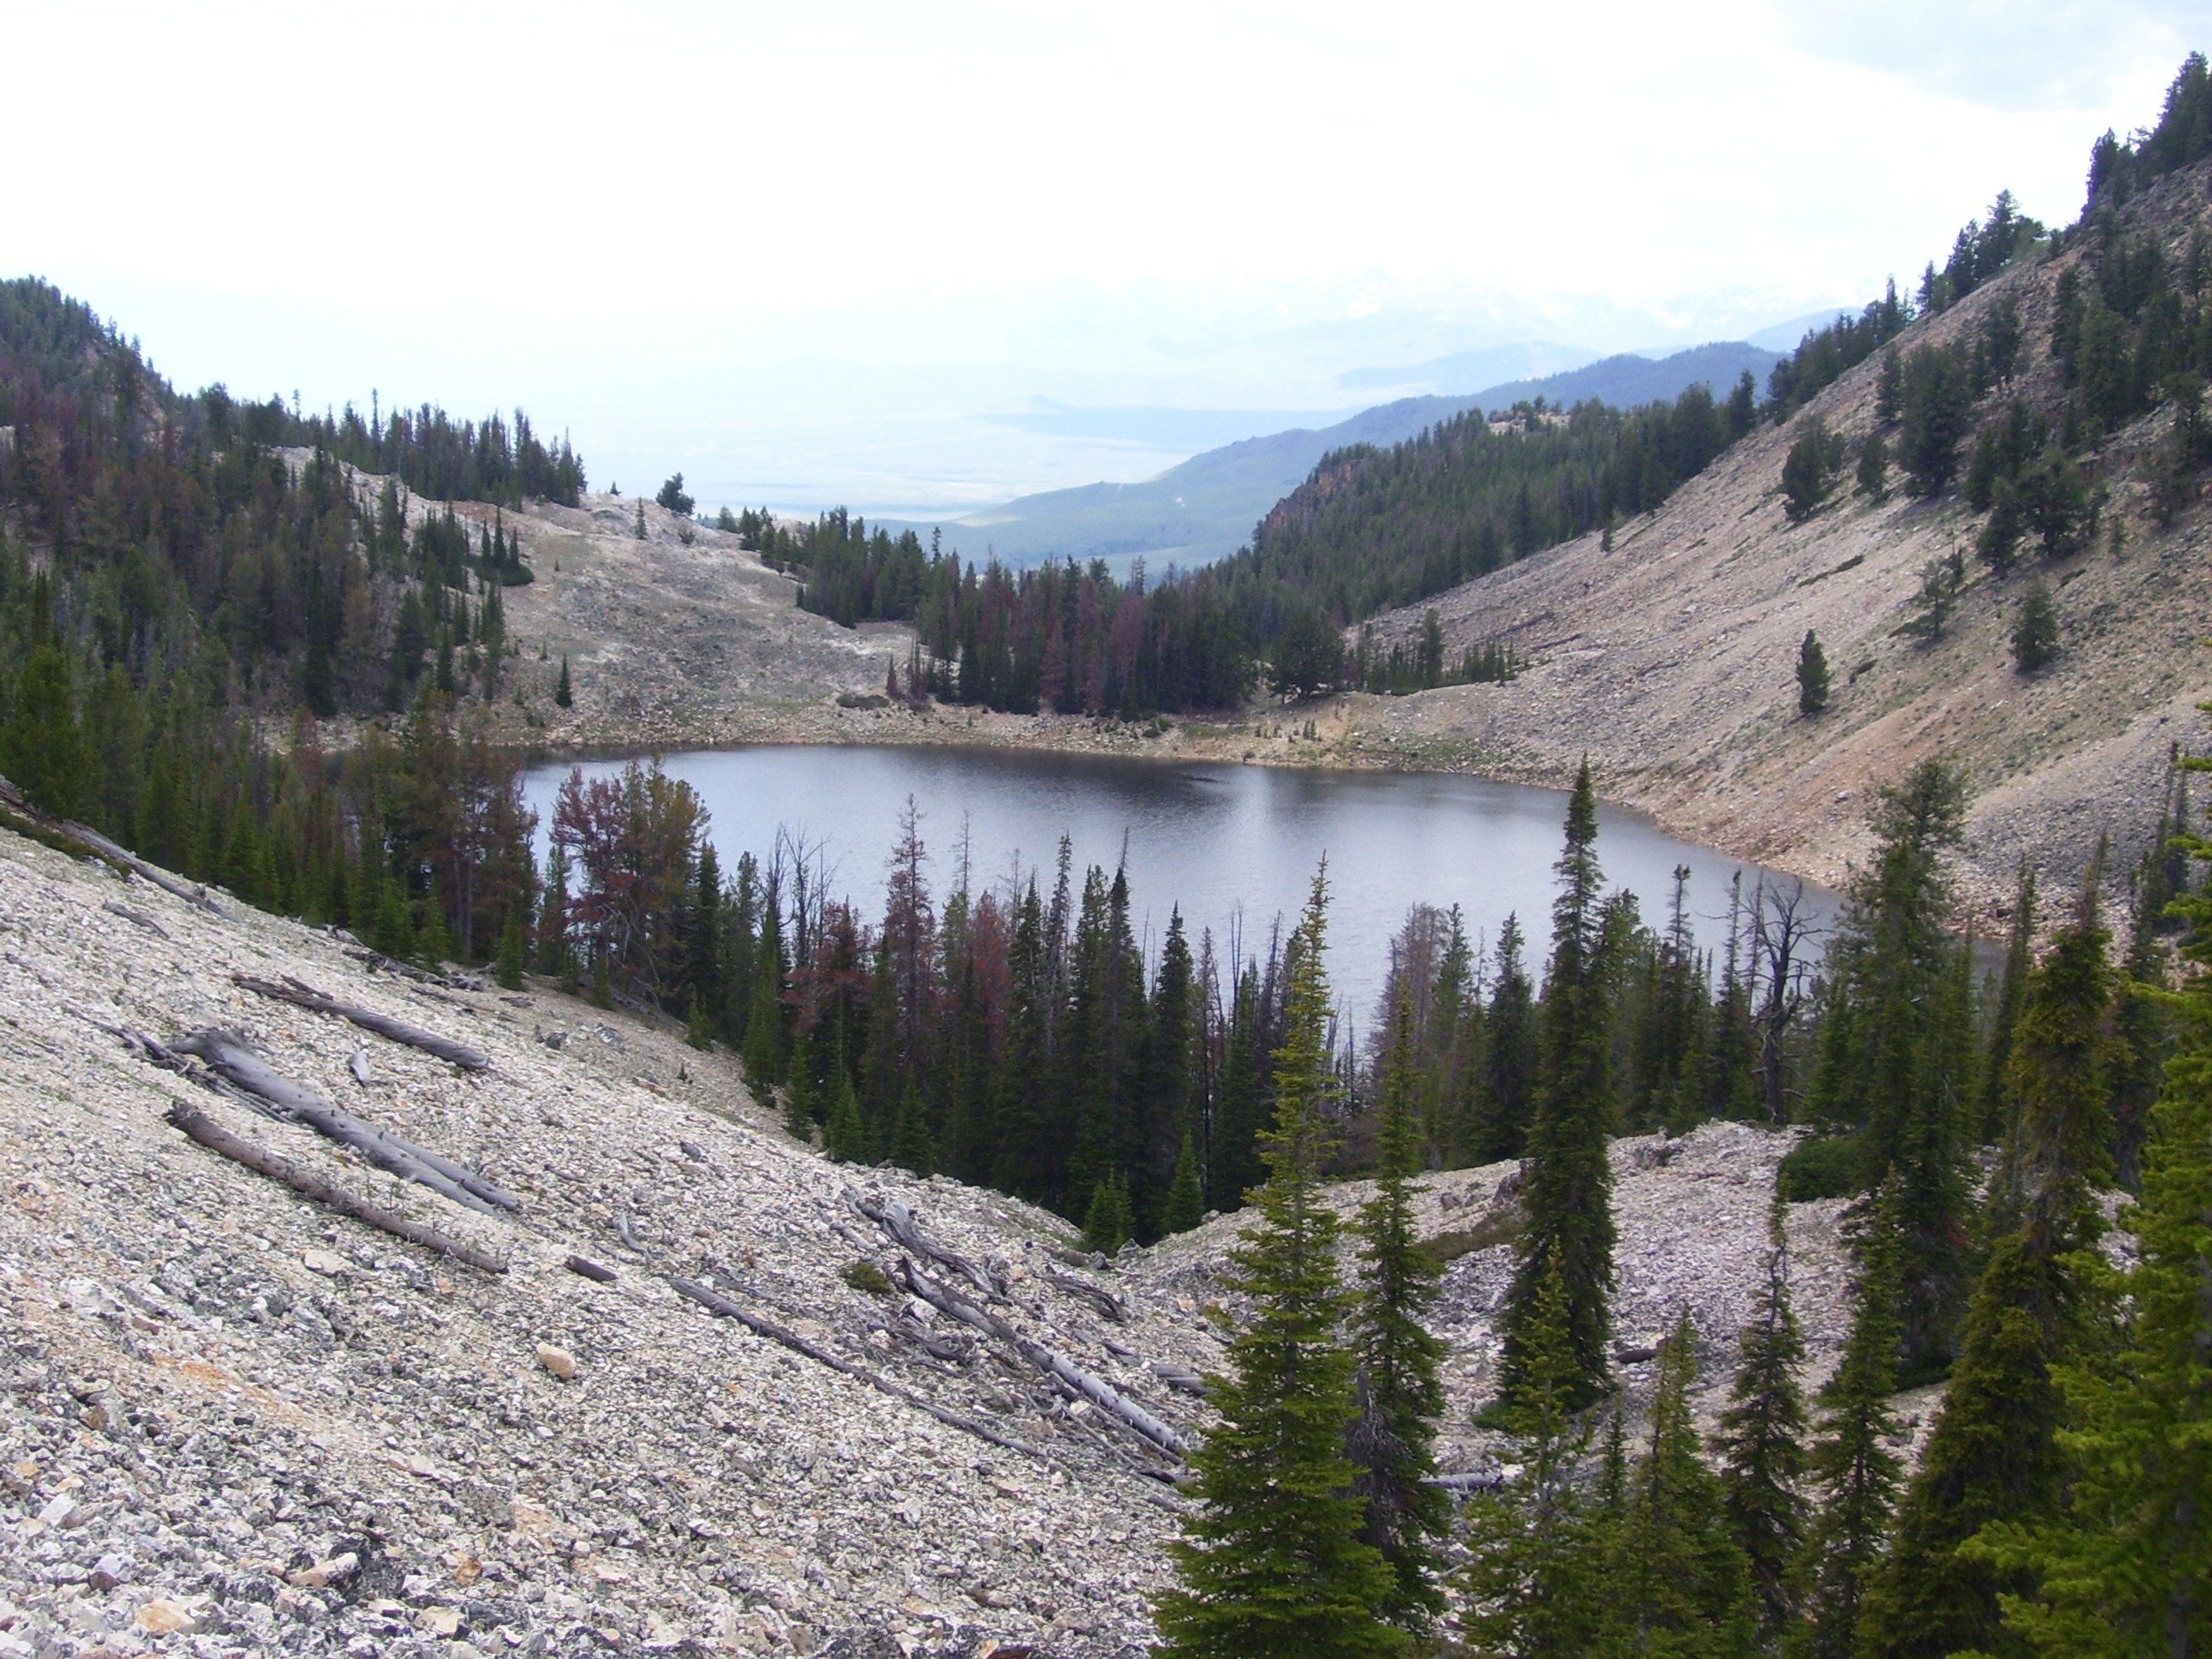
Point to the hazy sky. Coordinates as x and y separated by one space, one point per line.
1191 202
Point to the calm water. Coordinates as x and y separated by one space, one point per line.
1235 846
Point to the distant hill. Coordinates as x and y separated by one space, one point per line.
1491 363
1629 382
1204 508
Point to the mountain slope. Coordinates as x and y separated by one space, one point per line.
1669 660
232 1417
1204 508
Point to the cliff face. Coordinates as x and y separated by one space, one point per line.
1670 660
230 1415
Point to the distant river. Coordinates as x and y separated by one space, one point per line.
1235 846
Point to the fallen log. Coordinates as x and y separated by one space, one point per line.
589 1269
1480 1480
1097 1295
306 996
1179 1377
212 1135
1098 1391
380 963
722 1307
897 1219
156 1053
136 917
99 847
231 1059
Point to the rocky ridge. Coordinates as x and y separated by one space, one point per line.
234 1423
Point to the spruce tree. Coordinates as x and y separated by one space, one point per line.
1272 1562
1812 675
1681 1585
912 1145
2004 1012
1762 1441
1186 1204
562 696
1993 1453
511 957
1851 1463
2035 630
1533 1583
1399 1390
2125 1568
1568 1195
1107 1222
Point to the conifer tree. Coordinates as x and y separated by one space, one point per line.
1812 675
1506 1085
1851 1461
1762 1441
511 957
1400 1391
2035 630
2004 1012
563 696
1108 1224
1568 1196
1681 1585
844 1136
1186 1204
911 1142
1272 1563
2125 1568
799 1094
1536 1553
1993 1454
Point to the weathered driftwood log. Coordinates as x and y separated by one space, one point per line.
357 1063
229 1056
589 1269
217 1139
99 845
158 1053
721 1305
897 1219
306 996
136 917
1180 1377
1098 1391
1096 1295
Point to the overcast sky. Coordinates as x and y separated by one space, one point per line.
447 200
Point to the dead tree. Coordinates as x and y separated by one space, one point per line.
897 1219
1782 934
212 1135
399 1030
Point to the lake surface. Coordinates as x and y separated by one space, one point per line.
1235 846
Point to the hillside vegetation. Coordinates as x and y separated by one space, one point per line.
2039 439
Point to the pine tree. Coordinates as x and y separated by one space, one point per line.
1851 1463
1812 675
1874 468
1272 1563
2035 630
1399 1388
1682 1584
844 1136
1568 1195
1993 1454
1186 1204
2004 1012
1534 1581
562 696
1762 1441
1107 1224
2126 1568
1506 1087
799 1093
912 1146
510 957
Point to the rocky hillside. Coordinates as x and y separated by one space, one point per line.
233 1419
1669 660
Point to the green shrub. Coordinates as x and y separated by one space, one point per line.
1827 1166
865 1275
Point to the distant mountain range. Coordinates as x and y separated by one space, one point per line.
1204 508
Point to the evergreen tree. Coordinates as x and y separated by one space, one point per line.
2004 1012
2125 1567
1851 1463
911 1142
1272 1563
1399 1390
561 694
1993 1454
1681 1586
2035 630
42 748
1186 1204
1568 1193
1762 1442
1808 473
510 957
1812 675
1108 1224
1534 1582
1506 1088
1874 468
765 1056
